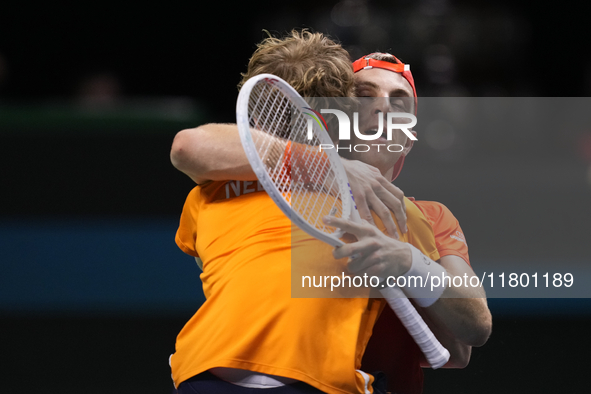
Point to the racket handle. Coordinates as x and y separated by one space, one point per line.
434 352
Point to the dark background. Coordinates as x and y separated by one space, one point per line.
92 288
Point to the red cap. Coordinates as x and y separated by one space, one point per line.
365 63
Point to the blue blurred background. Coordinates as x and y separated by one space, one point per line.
93 289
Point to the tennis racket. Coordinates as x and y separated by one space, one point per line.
281 139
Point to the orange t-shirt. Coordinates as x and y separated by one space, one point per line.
249 319
449 236
391 349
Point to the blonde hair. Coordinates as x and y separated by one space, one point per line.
312 63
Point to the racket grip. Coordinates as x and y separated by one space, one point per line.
434 352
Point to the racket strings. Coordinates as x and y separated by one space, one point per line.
300 171
268 112
315 191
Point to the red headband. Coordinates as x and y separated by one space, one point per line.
365 63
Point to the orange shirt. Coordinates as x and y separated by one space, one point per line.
449 236
249 319
391 349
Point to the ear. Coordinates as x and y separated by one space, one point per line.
409 144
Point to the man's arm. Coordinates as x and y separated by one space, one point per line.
214 152
459 352
460 322
462 310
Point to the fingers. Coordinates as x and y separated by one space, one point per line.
363 208
363 257
357 229
373 192
355 251
366 262
397 205
388 198
361 254
373 253
383 212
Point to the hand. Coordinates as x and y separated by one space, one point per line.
374 253
374 192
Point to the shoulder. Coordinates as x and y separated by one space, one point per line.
420 230
449 235
195 192
436 212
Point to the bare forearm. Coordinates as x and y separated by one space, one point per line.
459 351
211 152
463 310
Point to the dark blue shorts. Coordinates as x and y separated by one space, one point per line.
207 383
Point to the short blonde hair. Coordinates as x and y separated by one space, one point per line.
312 63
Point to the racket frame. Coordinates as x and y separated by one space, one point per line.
242 119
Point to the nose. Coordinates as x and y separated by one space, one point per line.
382 104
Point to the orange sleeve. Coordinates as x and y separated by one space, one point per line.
449 237
186 234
